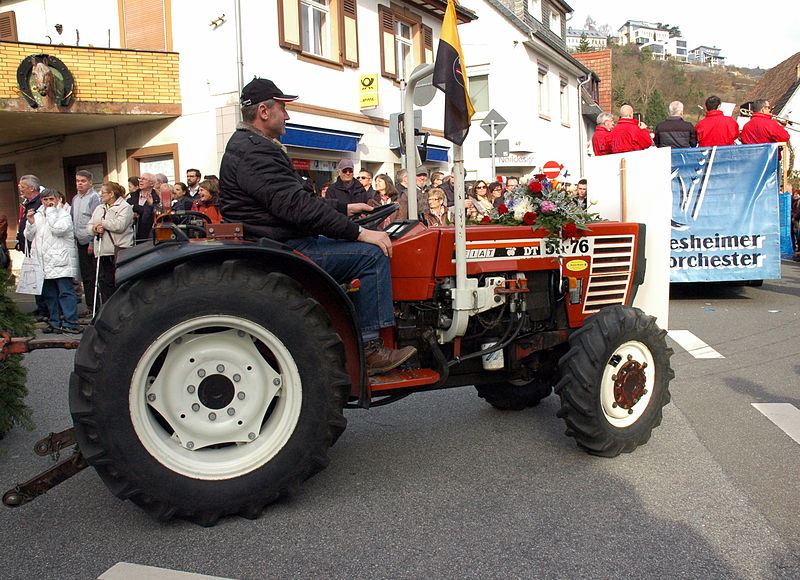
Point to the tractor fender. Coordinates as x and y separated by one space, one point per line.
147 259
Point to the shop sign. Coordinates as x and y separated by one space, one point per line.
368 92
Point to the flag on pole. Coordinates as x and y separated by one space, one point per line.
448 76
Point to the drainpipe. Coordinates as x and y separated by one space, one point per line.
581 128
237 9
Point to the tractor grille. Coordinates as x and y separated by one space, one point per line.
611 272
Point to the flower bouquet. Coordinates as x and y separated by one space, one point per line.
546 205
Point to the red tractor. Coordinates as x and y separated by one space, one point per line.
214 381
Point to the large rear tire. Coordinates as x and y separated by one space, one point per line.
614 381
210 390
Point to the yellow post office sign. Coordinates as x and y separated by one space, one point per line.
368 91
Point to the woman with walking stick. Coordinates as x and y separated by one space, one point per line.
111 223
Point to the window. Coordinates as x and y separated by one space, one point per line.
544 92
8 25
315 27
564 100
404 48
404 42
555 23
479 92
320 29
146 24
535 8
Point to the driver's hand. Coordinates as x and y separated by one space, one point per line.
380 239
357 208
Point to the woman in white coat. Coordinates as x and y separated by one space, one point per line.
50 231
112 224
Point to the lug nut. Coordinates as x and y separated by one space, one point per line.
195 407
201 373
237 377
231 411
212 416
151 397
240 395
220 368
190 389
276 382
190 445
251 436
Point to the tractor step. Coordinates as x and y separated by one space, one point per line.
400 379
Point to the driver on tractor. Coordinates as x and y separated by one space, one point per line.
260 189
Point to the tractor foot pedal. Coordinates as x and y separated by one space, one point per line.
398 379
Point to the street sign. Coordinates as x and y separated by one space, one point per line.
425 91
551 169
500 148
498 120
368 91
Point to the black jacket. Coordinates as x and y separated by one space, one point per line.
260 188
675 132
352 192
28 204
145 214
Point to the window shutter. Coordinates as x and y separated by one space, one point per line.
388 61
289 24
144 24
427 44
8 26
350 48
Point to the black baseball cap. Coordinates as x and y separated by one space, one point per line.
259 90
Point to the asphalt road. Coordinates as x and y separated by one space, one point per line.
440 485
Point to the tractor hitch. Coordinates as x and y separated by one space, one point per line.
52 445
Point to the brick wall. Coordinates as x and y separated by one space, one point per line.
101 74
600 63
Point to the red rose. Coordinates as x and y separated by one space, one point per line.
540 176
486 220
535 187
501 209
569 231
529 218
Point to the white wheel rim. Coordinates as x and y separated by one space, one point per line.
616 415
203 413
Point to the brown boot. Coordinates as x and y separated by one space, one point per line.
380 359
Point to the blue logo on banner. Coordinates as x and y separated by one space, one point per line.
725 223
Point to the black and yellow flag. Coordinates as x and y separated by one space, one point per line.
448 76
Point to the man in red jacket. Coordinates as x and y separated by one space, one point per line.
629 134
601 140
716 128
762 128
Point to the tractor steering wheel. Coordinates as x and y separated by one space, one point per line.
183 213
376 216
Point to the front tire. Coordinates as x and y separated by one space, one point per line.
614 381
210 390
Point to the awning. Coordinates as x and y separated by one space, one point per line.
437 153
316 138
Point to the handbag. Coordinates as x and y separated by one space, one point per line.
31 276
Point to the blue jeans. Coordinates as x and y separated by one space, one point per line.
59 295
345 261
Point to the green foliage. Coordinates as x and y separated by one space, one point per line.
635 77
656 111
13 391
584 45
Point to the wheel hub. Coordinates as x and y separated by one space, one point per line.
216 391
629 384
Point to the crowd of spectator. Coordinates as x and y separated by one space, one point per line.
715 129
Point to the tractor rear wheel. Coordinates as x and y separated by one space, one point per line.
614 381
515 395
210 390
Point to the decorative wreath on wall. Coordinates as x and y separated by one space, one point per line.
43 79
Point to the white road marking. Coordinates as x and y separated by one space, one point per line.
126 571
784 415
693 345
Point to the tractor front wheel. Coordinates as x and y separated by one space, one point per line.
614 381
209 390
